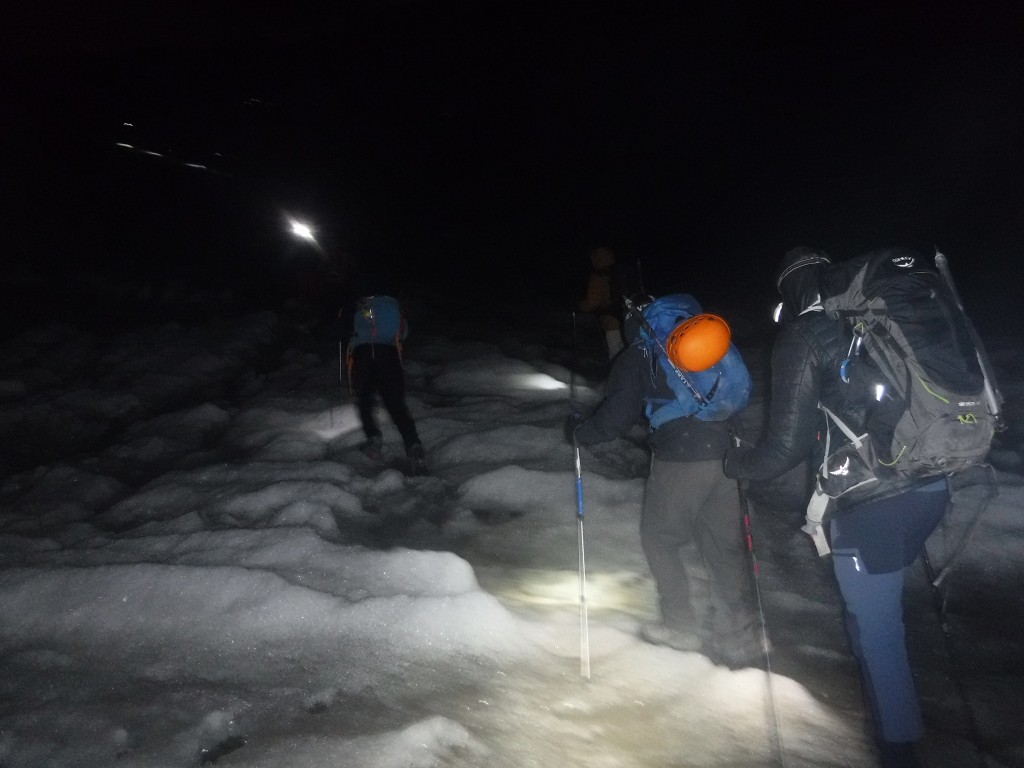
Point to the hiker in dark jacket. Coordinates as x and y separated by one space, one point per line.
600 301
375 367
874 534
688 501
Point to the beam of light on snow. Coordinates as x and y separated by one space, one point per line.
538 381
337 421
608 591
764 704
123 145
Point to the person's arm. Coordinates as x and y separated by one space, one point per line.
793 419
622 405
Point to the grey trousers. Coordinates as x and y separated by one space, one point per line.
691 521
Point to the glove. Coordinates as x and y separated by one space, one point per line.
731 462
571 423
813 527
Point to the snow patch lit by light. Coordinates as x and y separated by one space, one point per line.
539 381
335 422
606 591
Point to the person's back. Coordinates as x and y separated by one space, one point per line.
378 320
599 301
808 372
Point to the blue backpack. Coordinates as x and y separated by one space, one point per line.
378 320
713 394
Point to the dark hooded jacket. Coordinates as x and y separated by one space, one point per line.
806 359
599 299
805 367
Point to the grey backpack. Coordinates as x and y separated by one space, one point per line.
913 371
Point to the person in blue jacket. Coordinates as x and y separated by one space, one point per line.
688 504
375 368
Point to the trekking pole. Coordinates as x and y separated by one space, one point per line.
341 380
940 610
741 488
584 624
580 549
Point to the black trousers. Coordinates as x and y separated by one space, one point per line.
687 503
377 370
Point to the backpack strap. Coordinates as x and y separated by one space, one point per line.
856 440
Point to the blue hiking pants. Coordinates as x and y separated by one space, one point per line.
871 547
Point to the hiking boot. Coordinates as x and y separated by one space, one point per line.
374 448
417 460
662 634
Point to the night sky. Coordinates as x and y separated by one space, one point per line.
490 146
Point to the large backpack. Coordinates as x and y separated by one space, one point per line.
912 373
713 394
378 320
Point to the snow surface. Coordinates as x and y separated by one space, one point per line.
199 566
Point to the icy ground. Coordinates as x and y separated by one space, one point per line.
199 566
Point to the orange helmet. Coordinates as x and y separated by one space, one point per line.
698 343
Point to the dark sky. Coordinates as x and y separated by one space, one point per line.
461 139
